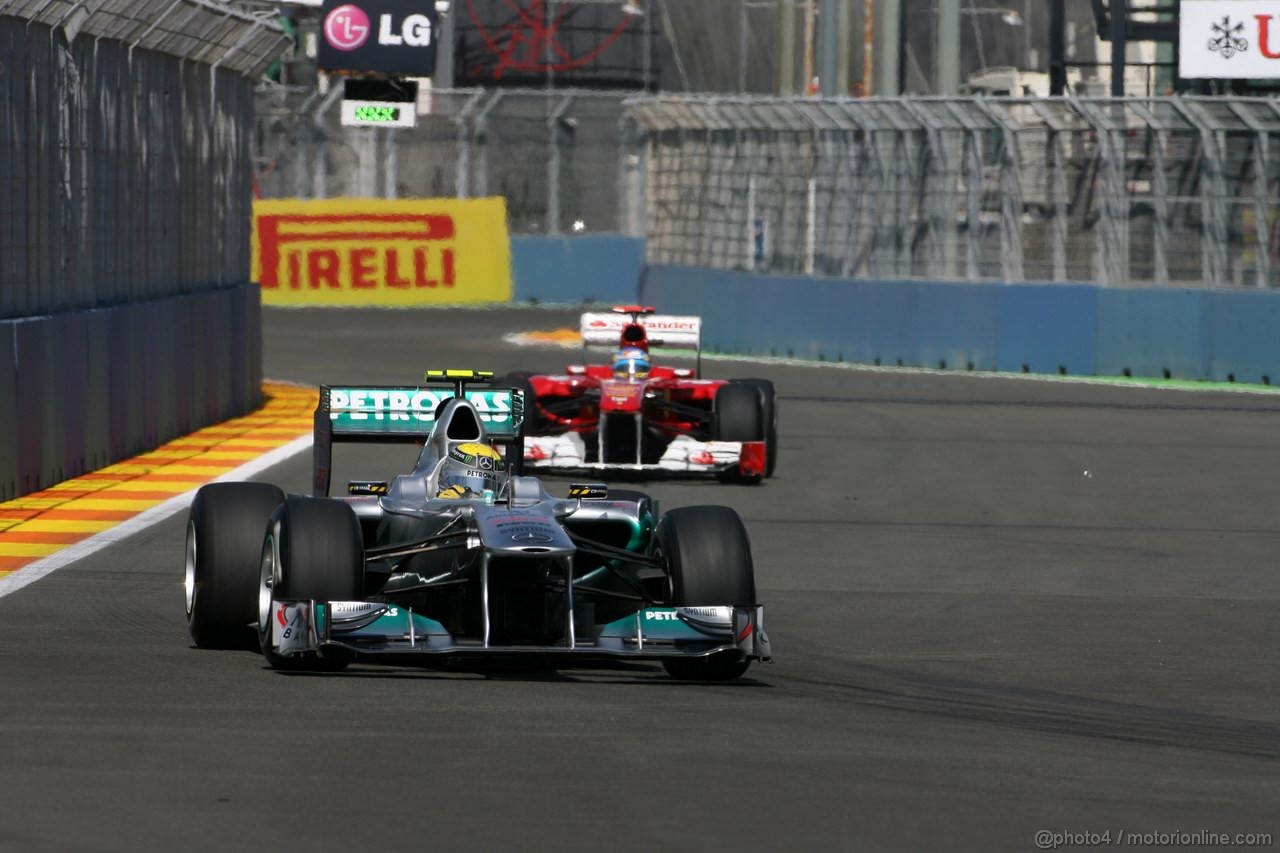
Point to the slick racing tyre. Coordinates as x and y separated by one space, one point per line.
224 540
313 552
738 415
709 561
769 416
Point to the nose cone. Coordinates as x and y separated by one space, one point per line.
522 531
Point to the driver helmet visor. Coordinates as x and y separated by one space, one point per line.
633 366
470 480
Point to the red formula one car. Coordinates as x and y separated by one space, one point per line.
633 416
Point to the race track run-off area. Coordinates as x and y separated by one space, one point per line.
998 608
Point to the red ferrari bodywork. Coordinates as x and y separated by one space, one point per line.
627 420
594 392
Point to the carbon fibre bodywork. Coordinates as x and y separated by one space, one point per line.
519 574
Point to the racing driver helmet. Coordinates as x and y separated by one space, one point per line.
631 363
470 469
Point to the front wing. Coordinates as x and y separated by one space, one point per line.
684 456
389 633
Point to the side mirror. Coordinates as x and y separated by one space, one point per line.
368 487
589 491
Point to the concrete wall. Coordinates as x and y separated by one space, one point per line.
1222 335
82 389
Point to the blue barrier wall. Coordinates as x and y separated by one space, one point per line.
1244 330
572 270
82 389
1223 335
1077 329
1047 328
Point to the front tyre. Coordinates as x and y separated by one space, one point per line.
313 552
709 564
738 415
769 417
224 535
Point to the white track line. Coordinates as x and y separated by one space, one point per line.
33 572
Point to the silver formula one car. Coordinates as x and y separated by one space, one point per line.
463 558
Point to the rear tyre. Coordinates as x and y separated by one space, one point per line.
709 563
738 415
224 538
769 416
313 551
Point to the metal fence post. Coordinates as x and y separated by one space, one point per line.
1011 203
366 148
482 141
1058 194
623 177
1261 207
1213 212
933 198
910 158
554 138
390 163
1160 195
320 164
462 140
304 134
973 217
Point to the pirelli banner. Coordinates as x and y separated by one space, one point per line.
372 252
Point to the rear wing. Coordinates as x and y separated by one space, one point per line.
662 330
398 414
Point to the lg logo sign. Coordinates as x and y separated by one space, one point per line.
415 31
347 28
394 37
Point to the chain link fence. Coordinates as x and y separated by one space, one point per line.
1161 191
553 154
125 162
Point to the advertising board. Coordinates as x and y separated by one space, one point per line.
374 252
1229 39
386 36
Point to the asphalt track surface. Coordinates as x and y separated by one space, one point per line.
976 640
